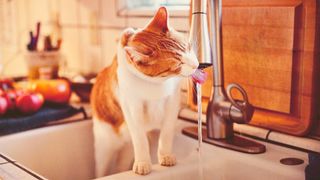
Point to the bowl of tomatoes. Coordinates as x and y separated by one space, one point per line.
33 95
17 100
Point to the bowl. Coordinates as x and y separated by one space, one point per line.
82 89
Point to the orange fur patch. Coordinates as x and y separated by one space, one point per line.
104 103
163 53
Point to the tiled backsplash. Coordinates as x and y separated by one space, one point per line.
89 28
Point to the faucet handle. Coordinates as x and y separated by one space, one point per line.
238 104
241 111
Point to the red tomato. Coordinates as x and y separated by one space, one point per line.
3 105
1 92
55 91
29 102
19 92
11 98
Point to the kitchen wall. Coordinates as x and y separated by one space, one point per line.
89 28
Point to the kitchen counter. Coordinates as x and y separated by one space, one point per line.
12 170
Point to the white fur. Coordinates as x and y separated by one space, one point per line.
147 104
113 152
190 63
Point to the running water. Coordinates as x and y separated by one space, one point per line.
199 77
199 102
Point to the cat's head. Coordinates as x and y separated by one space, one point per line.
158 50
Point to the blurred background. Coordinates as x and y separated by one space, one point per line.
88 29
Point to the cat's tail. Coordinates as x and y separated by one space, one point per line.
113 150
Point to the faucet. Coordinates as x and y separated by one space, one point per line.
222 110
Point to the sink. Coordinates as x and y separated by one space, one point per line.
219 163
66 152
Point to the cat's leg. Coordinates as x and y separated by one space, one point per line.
125 155
134 116
165 155
106 145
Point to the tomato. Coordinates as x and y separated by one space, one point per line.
55 91
3 105
11 98
19 92
2 92
29 102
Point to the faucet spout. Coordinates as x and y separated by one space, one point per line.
199 33
215 15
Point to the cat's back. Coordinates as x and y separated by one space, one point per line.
104 103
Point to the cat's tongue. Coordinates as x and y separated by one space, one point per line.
199 76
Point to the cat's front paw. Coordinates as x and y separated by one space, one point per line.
142 168
167 160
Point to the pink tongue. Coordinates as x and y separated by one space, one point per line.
199 76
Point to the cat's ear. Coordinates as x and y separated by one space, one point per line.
159 23
134 55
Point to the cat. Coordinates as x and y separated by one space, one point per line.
137 93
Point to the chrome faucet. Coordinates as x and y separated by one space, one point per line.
223 110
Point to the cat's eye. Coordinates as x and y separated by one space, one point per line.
148 52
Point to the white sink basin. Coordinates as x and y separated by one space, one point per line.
219 163
66 152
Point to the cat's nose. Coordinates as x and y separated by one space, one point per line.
194 67
194 64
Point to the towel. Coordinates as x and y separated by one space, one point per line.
17 122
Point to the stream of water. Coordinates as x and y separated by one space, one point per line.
199 104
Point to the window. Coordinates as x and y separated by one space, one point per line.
174 2
138 12
138 8
152 3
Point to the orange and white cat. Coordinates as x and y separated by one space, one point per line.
138 93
